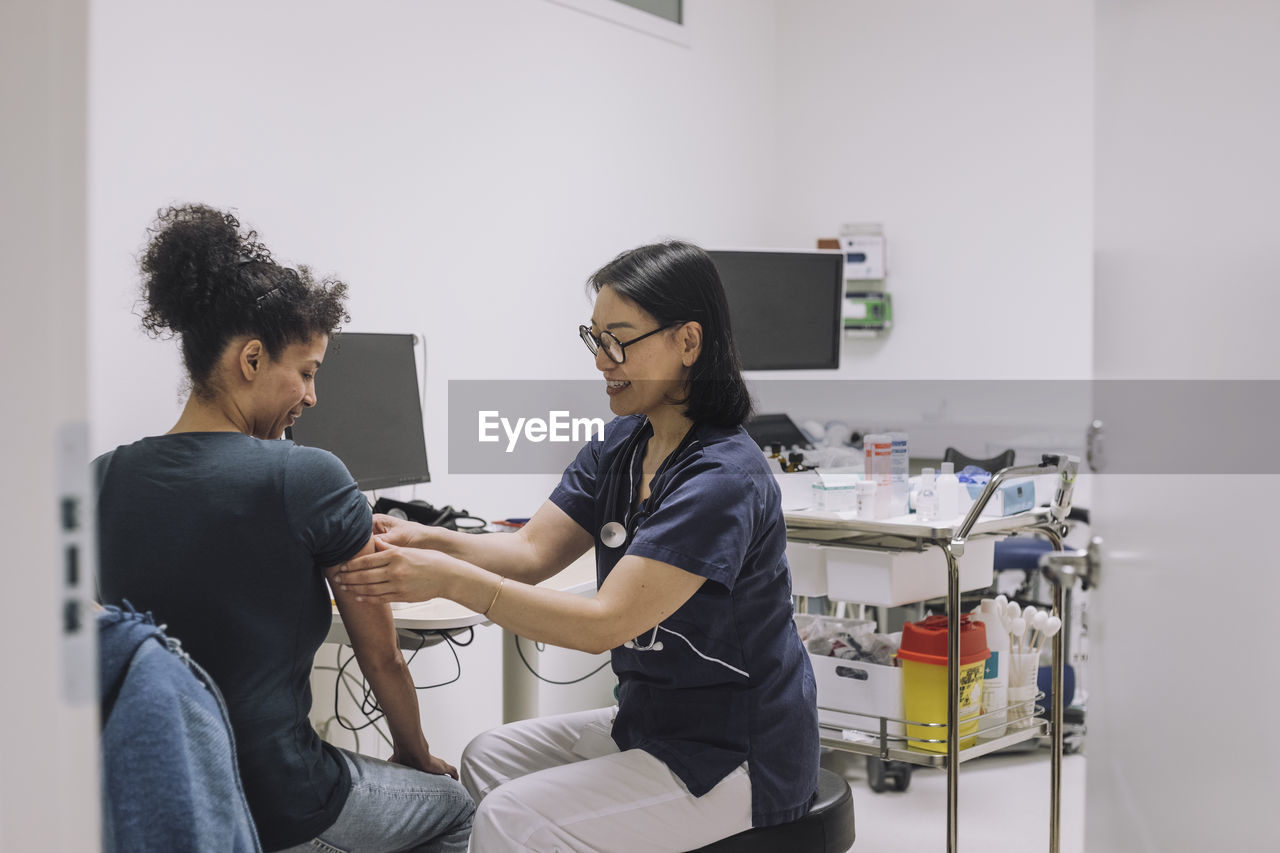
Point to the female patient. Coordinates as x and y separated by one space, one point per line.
226 535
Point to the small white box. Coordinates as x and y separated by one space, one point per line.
855 694
834 497
892 578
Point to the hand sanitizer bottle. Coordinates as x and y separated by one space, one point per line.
948 489
927 501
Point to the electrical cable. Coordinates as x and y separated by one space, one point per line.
457 662
368 705
337 717
354 734
471 636
422 642
368 702
540 677
372 720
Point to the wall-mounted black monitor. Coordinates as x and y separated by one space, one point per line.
785 306
369 411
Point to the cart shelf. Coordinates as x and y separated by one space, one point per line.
891 747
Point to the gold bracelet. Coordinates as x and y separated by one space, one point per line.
497 592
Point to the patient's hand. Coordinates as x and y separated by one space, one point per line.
432 764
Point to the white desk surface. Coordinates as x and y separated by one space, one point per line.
441 614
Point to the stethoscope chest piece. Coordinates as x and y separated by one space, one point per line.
613 535
654 644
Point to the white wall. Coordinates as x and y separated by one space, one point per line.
465 166
966 130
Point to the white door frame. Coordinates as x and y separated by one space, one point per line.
49 789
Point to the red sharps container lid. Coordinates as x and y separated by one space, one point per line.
926 641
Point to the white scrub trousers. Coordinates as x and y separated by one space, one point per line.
561 785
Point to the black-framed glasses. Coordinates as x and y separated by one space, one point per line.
614 348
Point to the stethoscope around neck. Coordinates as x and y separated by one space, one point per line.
615 534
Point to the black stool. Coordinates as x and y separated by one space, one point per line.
827 828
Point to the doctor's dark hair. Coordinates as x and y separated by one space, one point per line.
677 282
208 281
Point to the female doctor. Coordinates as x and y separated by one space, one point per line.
715 728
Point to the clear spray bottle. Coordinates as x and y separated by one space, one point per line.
927 500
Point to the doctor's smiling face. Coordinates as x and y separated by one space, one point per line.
654 372
662 337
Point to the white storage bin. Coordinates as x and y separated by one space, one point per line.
854 694
893 578
808 568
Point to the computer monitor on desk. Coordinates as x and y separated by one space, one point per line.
369 410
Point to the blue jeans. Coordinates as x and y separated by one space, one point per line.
392 808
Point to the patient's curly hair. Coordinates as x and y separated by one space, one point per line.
208 281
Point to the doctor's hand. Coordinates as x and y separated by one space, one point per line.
399 531
392 573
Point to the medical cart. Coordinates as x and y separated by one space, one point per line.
883 563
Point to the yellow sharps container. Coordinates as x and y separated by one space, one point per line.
924 680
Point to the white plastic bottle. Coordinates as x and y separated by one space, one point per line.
927 500
900 467
948 489
995 681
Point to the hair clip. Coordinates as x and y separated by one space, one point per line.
265 295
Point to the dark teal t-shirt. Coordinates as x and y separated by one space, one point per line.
223 537
725 678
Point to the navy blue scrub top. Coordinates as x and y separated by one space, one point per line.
724 679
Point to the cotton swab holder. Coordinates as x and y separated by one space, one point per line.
1024 666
